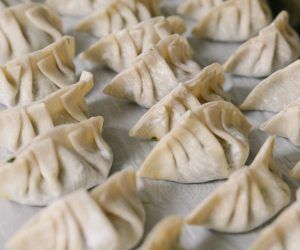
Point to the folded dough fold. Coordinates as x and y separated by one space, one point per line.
208 144
283 233
197 9
34 76
165 235
274 48
19 125
110 217
286 123
65 158
155 73
167 113
118 50
119 14
234 20
27 27
248 199
275 92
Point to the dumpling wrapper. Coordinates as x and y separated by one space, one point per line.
197 9
110 217
275 92
32 77
77 7
118 15
276 46
119 50
66 158
25 28
167 113
234 21
165 235
19 125
155 73
286 123
207 144
248 199
283 233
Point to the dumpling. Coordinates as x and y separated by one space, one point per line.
118 15
165 235
275 92
34 76
167 113
286 123
274 48
110 217
76 7
207 144
198 9
118 50
59 161
283 233
234 20
19 125
249 198
25 28
155 73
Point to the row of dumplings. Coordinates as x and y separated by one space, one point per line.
198 142
112 215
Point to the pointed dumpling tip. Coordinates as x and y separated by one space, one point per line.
177 23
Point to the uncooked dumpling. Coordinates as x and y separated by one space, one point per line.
234 20
118 15
286 123
19 125
167 113
274 48
248 199
118 50
155 73
59 161
165 235
77 7
110 217
275 92
34 76
25 28
207 144
283 233
198 9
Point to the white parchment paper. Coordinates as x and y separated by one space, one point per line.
161 198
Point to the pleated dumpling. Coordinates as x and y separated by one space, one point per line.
76 7
249 198
165 235
283 233
25 28
118 50
207 144
197 9
34 76
234 20
155 73
167 113
19 125
276 46
275 92
286 123
118 15
110 217
59 161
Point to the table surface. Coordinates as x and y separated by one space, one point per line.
162 198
